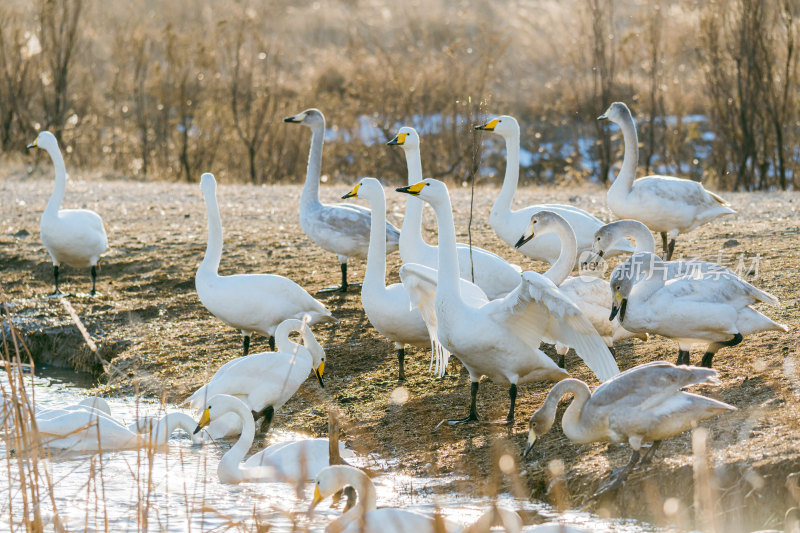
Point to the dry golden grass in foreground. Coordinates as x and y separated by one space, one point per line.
166 344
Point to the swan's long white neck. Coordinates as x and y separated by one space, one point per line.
210 264
563 266
310 196
229 469
571 422
168 424
282 341
375 274
53 205
637 231
411 232
652 276
448 277
630 160
502 205
366 498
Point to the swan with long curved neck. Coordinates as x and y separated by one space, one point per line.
591 294
339 228
252 303
644 403
499 338
75 237
388 309
712 308
509 224
264 381
493 274
664 204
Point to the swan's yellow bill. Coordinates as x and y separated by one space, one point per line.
489 126
205 419
317 496
413 189
35 143
321 368
400 139
352 193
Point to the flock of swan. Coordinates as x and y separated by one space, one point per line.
458 300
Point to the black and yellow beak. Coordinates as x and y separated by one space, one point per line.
413 190
295 119
317 498
489 126
618 305
594 260
352 193
399 140
318 372
34 144
529 443
526 236
205 419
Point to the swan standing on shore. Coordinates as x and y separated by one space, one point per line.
509 225
591 294
72 236
339 228
493 274
644 403
664 204
711 308
499 338
388 309
264 381
252 303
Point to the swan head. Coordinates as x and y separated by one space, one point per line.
539 424
622 280
428 189
503 125
309 342
45 140
218 406
366 188
616 113
208 184
332 479
407 137
541 222
310 117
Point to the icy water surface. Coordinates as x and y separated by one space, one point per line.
178 490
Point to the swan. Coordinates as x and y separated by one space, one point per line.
252 303
389 308
496 276
644 403
499 338
264 381
339 228
91 430
591 294
72 236
664 204
711 308
509 225
365 517
258 467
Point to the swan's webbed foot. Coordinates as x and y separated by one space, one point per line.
617 477
473 411
341 288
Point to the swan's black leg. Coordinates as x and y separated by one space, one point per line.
613 352
55 277
715 346
473 409
343 286
512 395
401 357
670 249
267 413
683 357
94 280
649 454
245 345
271 343
664 245
618 476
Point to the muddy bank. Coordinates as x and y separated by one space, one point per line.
163 343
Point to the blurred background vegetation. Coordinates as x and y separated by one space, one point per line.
154 89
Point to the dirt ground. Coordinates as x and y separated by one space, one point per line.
161 342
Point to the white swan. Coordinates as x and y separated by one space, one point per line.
509 225
90 430
258 467
499 338
389 308
644 403
493 274
252 303
72 236
591 294
712 308
263 381
664 204
339 228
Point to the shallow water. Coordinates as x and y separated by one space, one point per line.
178 490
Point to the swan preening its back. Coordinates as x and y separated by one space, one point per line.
664 204
252 303
339 228
72 236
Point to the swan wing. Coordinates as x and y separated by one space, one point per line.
536 309
354 222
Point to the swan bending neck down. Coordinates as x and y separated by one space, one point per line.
664 204
644 403
72 236
365 517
